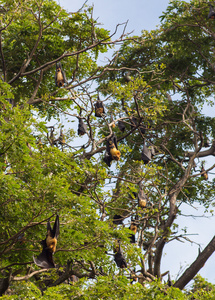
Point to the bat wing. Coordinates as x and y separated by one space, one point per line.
107 158
55 77
120 260
56 228
49 228
121 126
58 65
44 260
146 154
64 77
82 128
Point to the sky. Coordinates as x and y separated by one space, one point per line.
144 15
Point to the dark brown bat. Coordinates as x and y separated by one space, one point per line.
60 77
118 219
119 258
146 154
211 14
121 126
82 128
45 259
99 108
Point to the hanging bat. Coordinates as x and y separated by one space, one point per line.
112 148
112 152
60 77
205 174
45 259
61 137
118 220
146 154
142 198
121 126
211 14
152 149
99 108
119 258
107 158
133 227
82 128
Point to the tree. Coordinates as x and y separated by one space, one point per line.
154 85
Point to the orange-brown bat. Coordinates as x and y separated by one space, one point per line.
99 108
205 174
112 152
45 259
142 198
60 77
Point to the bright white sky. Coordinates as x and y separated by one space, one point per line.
144 15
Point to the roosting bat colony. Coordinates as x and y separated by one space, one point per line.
45 258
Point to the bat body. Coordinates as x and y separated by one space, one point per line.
112 152
61 138
121 126
82 128
146 154
205 174
211 14
99 109
45 259
60 77
117 220
119 258
133 227
142 198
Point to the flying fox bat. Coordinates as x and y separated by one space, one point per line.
99 108
61 137
60 77
205 174
45 259
121 126
118 219
133 227
146 154
119 258
211 14
142 198
82 128
112 152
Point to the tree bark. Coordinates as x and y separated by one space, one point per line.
190 272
